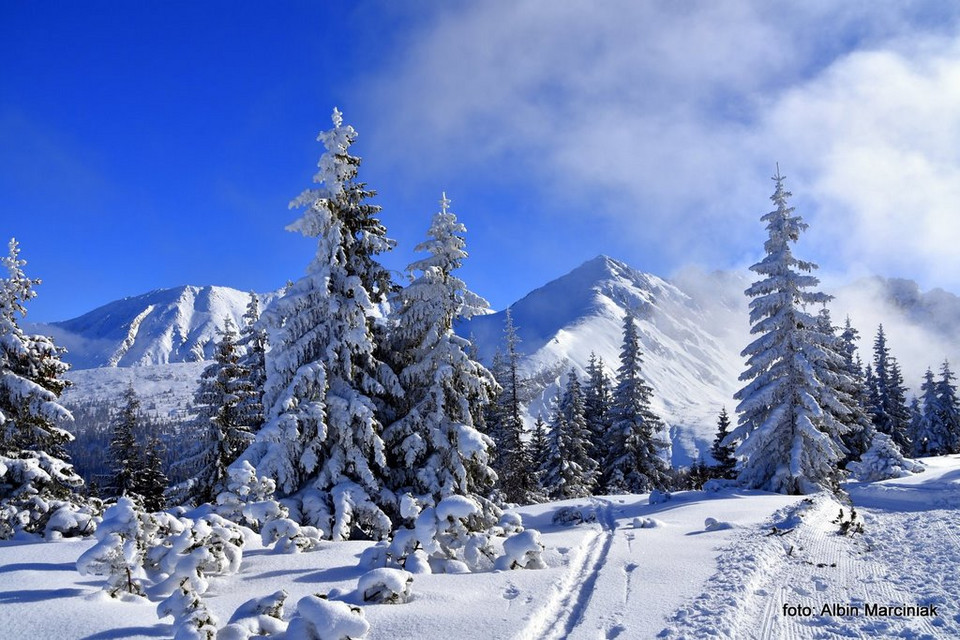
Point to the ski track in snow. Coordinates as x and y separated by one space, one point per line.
813 565
565 609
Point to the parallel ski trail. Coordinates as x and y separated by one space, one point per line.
566 608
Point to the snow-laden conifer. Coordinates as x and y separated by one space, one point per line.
788 438
859 427
322 425
36 479
435 449
125 454
569 471
220 426
634 443
597 399
723 453
504 422
949 407
928 435
887 395
253 343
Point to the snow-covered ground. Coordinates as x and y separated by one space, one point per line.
639 570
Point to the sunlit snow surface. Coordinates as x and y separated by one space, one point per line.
637 571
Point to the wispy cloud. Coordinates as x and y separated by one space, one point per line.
667 118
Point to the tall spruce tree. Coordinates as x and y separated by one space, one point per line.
888 404
569 471
949 408
125 453
723 454
253 343
35 473
789 439
325 385
859 427
221 426
512 462
634 440
598 398
435 449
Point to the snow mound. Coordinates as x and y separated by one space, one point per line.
522 550
385 586
320 619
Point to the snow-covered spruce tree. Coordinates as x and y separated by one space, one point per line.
723 454
634 442
124 451
151 481
887 395
839 393
36 480
569 471
949 407
859 427
597 399
788 438
435 450
220 424
539 447
322 435
253 343
512 462
928 433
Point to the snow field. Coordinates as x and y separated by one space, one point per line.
613 577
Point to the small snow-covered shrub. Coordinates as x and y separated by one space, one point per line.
122 543
192 619
289 537
522 550
320 619
35 487
248 499
354 510
717 484
573 516
210 546
659 497
511 523
385 586
882 461
256 617
451 537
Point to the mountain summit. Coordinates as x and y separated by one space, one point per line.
692 370
163 326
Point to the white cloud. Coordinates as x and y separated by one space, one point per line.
668 118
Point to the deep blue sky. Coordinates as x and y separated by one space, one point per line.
148 145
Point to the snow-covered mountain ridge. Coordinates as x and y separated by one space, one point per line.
692 329
181 324
688 362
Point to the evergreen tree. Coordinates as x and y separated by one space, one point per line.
36 477
124 451
929 435
887 395
151 481
539 449
253 342
31 373
220 424
633 444
598 397
723 453
435 448
788 437
512 462
325 386
569 471
859 427
949 408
